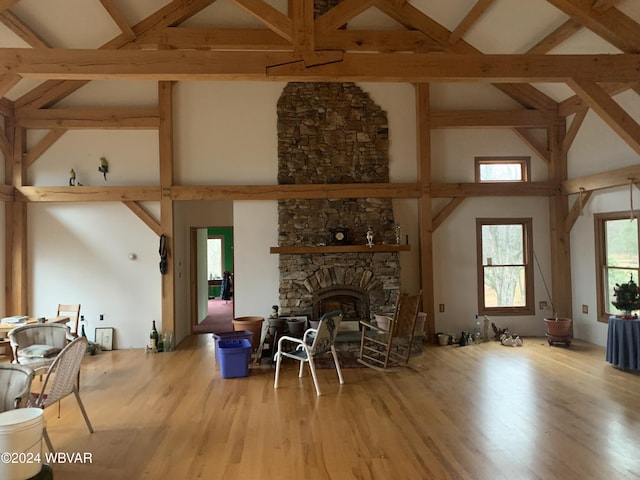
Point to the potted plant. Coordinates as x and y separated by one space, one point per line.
627 298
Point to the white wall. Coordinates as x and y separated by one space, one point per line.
79 253
256 274
226 134
596 149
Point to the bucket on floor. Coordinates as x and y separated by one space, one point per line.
234 358
21 436
253 324
235 335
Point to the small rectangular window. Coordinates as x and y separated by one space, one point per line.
508 169
505 272
617 257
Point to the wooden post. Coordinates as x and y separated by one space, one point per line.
560 237
165 100
424 207
17 289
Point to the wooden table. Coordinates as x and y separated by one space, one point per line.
6 327
623 343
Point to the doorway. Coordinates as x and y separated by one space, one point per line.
212 267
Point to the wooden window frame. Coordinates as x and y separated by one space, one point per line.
525 167
599 220
529 307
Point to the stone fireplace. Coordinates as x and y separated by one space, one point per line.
334 133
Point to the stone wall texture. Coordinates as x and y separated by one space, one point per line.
334 133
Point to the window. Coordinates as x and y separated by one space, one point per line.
215 257
505 270
494 169
617 257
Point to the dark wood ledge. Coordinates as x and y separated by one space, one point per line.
340 249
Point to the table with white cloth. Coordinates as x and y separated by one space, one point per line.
623 343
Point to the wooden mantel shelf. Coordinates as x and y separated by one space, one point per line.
340 249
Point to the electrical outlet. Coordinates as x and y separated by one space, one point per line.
585 309
542 305
441 307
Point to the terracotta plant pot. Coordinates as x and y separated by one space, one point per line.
560 327
253 324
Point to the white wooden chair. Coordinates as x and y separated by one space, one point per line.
313 343
73 312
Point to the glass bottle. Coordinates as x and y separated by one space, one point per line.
153 338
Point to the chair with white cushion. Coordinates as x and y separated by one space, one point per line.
36 344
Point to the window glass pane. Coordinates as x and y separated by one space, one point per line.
504 287
502 244
501 172
621 240
214 258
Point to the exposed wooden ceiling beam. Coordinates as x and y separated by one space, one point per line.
89 118
537 145
6 193
507 189
270 16
17 26
490 118
133 193
470 18
384 67
303 26
555 38
117 16
145 216
43 145
609 110
598 181
611 24
263 39
339 15
7 4
574 104
406 14
174 13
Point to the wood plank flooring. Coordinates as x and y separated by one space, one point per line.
477 412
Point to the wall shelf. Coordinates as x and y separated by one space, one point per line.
340 249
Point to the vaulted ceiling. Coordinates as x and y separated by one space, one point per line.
553 57
558 47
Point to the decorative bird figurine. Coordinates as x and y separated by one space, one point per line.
104 167
72 177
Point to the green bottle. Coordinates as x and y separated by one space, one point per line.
153 338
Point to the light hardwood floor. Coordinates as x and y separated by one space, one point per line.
475 412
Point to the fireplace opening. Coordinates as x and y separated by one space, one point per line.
353 301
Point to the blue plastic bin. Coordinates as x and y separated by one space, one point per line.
234 357
235 335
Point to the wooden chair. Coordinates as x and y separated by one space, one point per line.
385 348
313 343
61 380
36 344
15 385
73 312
